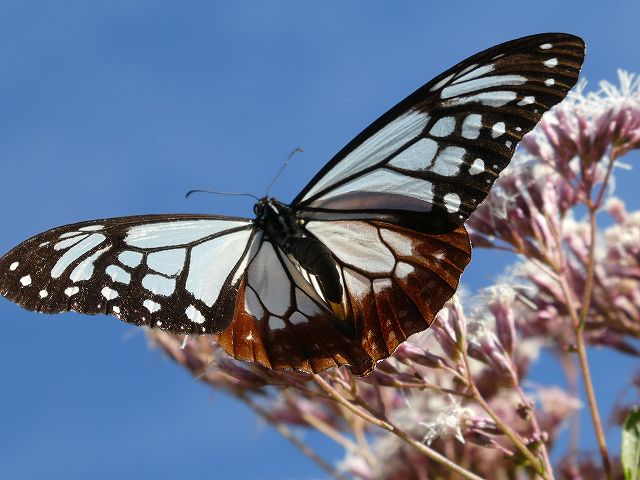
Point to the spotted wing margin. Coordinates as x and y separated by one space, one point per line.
395 281
431 160
179 273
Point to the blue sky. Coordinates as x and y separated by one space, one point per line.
118 108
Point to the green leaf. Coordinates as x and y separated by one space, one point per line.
630 453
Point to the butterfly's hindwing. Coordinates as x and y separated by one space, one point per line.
178 273
394 283
430 161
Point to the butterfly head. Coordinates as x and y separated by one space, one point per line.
268 211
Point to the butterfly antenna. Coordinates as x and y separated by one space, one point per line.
216 192
284 165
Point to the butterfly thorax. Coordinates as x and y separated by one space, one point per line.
284 230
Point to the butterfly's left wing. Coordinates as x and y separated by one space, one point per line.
431 160
179 273
395 282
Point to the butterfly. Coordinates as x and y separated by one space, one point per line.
365 255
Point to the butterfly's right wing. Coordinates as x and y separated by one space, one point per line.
179 273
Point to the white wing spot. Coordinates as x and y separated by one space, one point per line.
552 62
71 291
518 129
418 156
14 265
159 323
508 144
276 323
194 315
448 162
43 244
69 242
109 293
168 262
498 129
298 319
471 126
151 305
441 83
443 127
403 270
91 228
467 69
476 167
118 274
451 202
249 337
549 81
159 285
115 309
130 259
84 270
528 100
464 76
546 46
69 234
43 293
26 280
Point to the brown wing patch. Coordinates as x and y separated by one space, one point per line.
394 292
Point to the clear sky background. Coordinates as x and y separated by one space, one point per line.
118 108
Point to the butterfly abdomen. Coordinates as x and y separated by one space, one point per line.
315 258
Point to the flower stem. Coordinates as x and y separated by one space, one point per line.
536 463
582 349
386 425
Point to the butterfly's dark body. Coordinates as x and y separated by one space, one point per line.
282 228
365 255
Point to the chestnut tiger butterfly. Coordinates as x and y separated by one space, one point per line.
366 255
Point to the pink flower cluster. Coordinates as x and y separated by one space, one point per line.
453 398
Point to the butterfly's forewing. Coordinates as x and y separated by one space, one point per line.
429 162
178 273
395 281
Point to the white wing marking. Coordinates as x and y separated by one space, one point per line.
168 262
118 274
84 270
211 262
449 161
159 285
417 157
130 259
482 84
355 243
269 280
496 98
76 252
472 72
471 126
375 149
407 193
168 234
